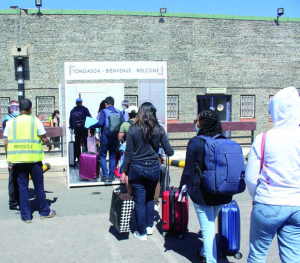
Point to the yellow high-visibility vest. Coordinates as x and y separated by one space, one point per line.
24 145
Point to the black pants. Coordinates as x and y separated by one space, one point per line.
80 132
13 190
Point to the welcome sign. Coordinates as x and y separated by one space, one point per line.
115 70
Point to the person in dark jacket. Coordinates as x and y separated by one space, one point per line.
207 205
108 142
142 165
76 122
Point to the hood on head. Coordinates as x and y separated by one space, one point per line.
285 108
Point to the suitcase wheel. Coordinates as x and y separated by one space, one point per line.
238 255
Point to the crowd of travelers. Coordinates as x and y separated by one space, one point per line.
272 173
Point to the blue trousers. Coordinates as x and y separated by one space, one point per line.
22 171
143 178
207 216
110 144
266 222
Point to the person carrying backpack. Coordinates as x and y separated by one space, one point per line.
110 120
207 204
76 122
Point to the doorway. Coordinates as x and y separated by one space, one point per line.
220 104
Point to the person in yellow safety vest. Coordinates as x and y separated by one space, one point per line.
24 150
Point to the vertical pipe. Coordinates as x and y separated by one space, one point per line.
20 79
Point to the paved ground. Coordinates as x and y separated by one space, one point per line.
81 231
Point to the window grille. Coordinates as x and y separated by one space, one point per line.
44 106
133 100
3 107
172 107
247 106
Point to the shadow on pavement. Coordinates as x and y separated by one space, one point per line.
117 235
33 202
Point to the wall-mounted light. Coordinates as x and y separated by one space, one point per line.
38 4
14 7
280 12
162 11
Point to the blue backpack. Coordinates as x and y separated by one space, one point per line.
225 167
113 121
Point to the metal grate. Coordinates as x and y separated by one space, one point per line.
133 100
3 107
172 107
44 106
247 106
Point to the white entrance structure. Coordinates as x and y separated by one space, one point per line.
94 81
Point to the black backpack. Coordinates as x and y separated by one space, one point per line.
113 121
78 118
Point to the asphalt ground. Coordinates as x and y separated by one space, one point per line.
81 231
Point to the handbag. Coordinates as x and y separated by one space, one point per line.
121 209
262 150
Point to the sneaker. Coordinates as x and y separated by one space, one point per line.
26 221
156 207
14 208
51 214
149 230
104 179
138 236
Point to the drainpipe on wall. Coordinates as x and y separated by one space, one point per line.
20 77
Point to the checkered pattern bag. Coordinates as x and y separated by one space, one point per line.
121 210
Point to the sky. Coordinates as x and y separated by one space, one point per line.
266 8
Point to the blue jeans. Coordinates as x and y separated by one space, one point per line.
266 221
110 144
207 216
22 171
143 178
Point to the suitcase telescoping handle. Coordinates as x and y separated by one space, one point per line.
72 133
167 177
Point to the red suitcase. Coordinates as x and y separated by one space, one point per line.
175 215
89 166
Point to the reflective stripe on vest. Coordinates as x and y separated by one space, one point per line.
24 145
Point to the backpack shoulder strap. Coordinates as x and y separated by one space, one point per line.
131 122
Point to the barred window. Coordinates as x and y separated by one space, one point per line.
133 100
3 107
247 106
172 107
44 106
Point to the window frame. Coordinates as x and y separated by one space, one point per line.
136 98
241 107
37 107
6 108
177 108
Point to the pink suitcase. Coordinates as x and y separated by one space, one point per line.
89 166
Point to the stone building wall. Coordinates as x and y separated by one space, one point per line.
244 55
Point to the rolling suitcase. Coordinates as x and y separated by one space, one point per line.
72 151
89 166
175 215
229 229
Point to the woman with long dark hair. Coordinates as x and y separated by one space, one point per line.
142 165
207 205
